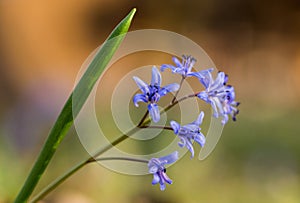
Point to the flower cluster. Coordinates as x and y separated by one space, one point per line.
220 95
217 93
183 68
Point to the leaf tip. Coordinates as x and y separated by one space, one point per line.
132 12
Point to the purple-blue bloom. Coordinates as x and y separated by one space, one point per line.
184 68
157 168
152 93
220 95
189 132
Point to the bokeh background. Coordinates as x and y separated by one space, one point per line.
44 43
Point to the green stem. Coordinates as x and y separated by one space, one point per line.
122 159
143 119
174 98
179 100
157 127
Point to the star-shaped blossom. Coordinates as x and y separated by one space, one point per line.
189 133
220 95
157 168
152 93
183 68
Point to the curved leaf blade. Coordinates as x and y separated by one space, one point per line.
68 114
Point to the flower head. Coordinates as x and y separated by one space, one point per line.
184 68
152 93
157 168
220 95
189 132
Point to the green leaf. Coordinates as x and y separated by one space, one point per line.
72 107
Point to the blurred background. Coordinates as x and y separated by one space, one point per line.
44 43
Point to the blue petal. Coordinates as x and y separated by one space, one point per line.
179 71
196 74
219 82
165 66
162 186
204 77
177 62
214 108
188 129
189 63
141 84
204 96
199 119
200 139
139 98
155 179
175 126
221 78
153 168
154 112
168 88
225 79
182 142
166 178
189 146
219 105
156 77
225 119
171 158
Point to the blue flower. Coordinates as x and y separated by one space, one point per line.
189 132
183 68
220 95
157 168
152 93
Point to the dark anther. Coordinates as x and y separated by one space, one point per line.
165 170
